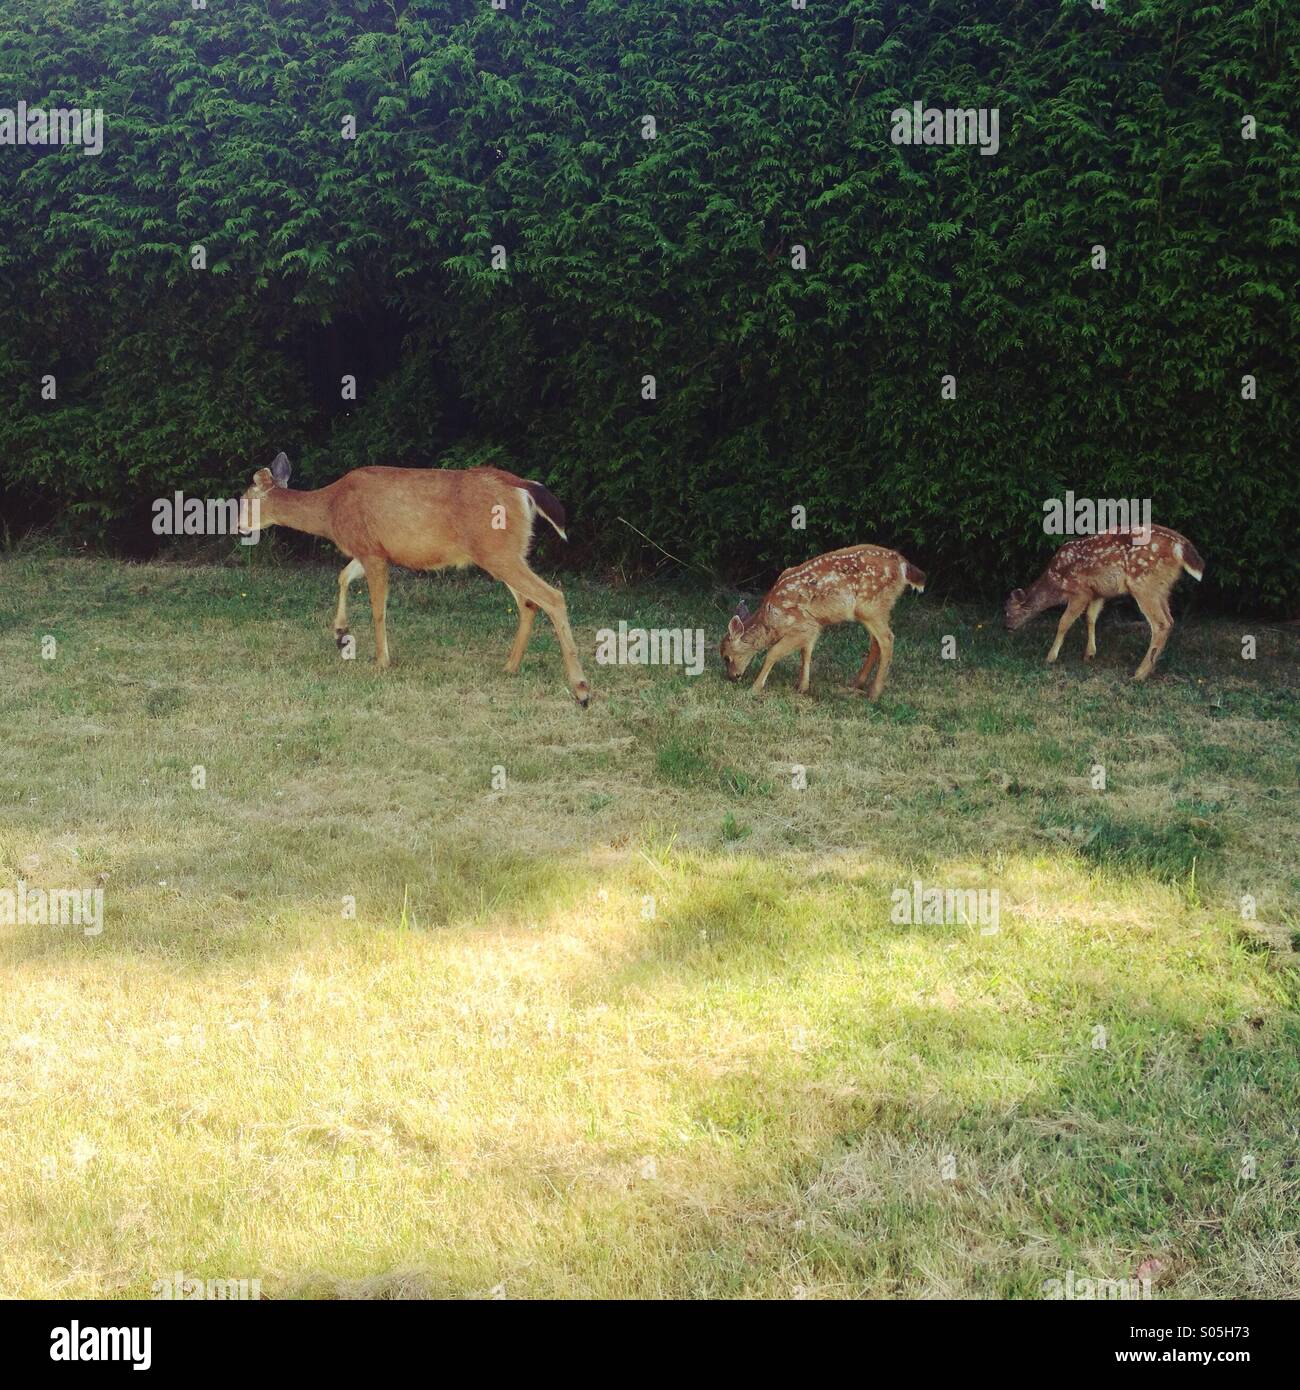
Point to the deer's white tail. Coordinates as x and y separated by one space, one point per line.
1190 560
541 501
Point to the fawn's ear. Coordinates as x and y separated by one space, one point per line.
262 479
280 469
742 611
735 628
1017 596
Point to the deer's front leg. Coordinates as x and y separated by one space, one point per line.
781 648
1094 611
805 665
1073 609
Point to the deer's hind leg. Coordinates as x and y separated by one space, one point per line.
530 588
868 661
376 570
1155 609
883 641
353 570
527 614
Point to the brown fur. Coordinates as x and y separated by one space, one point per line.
858 584
1086 572
428 519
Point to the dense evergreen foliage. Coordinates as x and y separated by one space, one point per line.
671 257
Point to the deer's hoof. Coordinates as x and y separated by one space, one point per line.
582 693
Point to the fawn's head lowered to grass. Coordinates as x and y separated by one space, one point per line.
1084 574
742 644
1022 606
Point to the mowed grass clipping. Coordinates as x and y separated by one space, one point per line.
622 1010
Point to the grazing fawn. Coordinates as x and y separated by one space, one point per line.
859 584
1085 573
424 519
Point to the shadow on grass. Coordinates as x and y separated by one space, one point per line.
848 1106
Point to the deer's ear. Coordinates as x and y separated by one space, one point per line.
742 612
280 469
1017 596
262 479
735 627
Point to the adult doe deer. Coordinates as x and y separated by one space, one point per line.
1085 573
858 584
424 519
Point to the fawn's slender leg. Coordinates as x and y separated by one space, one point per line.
805 667
377 578
1155 609
1094 611
527 613
884 641
781 648
354 569
868 661
531 588
1073 610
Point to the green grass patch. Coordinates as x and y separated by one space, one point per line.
638 1018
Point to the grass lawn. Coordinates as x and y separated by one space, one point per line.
636 1021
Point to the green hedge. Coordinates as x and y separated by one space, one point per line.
777 387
